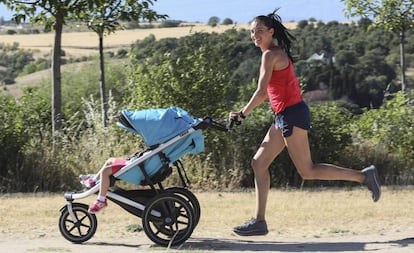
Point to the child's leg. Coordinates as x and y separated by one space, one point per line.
104 174
107 164
104 177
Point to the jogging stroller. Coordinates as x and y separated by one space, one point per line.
169 215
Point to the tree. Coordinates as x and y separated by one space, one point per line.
194 76
103 16
213 21
51 14
227 21
395 16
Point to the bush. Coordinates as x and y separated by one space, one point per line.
169 23
10 32
391 128
121 53
330 133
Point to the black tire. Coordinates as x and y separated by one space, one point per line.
175 223
191 199
83 229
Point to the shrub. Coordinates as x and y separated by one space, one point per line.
10 32
169 23
391 128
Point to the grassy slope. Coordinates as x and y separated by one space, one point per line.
86 43
77 44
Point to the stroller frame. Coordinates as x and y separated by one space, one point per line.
169 215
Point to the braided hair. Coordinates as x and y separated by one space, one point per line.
281 34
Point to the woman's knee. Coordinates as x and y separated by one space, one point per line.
307 172
109 161
258 166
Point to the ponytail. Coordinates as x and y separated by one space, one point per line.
281 34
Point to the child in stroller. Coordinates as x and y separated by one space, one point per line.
169 215
110 167
134 122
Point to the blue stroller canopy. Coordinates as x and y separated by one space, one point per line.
157 126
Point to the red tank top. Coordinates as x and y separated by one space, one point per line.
283 89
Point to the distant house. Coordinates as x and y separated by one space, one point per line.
320 57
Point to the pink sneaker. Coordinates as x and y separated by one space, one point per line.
89 182
97 206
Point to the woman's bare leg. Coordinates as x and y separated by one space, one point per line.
299 151
271 146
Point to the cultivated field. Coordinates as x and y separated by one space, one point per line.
78 44
86 43
334 220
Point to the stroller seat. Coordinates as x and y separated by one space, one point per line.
158 126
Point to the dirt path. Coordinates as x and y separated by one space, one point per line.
299 221
398 242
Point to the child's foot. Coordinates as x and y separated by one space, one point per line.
372 182
97 206
88 180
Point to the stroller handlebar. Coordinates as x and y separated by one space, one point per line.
208 122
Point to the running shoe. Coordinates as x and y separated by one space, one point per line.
252 227
372 182
97 206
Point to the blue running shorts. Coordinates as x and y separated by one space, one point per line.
296 115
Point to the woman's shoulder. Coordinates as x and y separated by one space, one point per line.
279 58
273 54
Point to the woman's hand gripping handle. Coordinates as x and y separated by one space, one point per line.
235 118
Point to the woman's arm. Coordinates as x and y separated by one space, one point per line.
260 94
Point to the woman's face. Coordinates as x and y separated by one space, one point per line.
260 34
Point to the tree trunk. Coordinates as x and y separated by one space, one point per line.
56 77
402 59
104 104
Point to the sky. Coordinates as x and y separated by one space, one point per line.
242 11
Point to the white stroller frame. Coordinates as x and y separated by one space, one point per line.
169 216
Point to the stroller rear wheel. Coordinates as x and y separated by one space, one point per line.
191 199
79 228
168 219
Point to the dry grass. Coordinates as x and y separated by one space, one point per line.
312 213
36 78
291 214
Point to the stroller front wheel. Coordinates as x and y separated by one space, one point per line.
80 226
